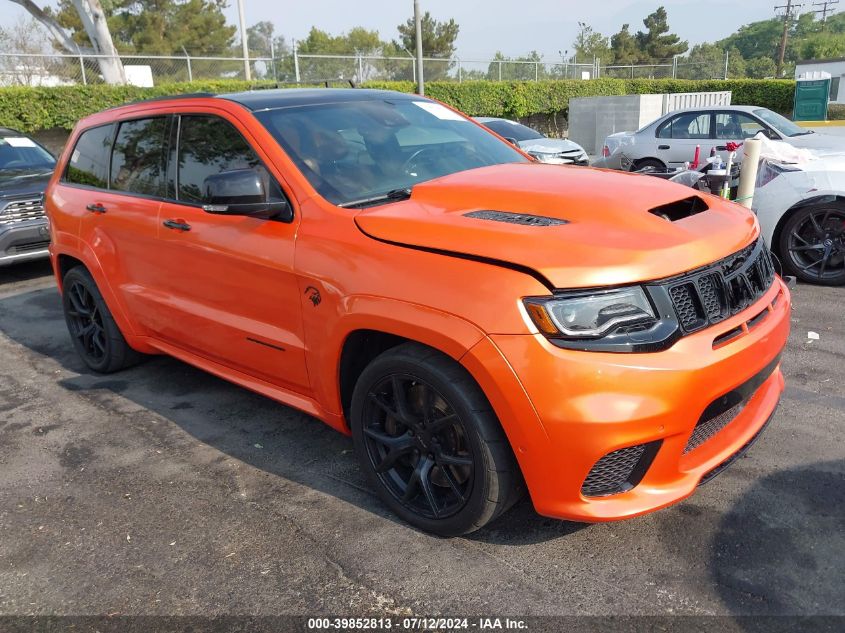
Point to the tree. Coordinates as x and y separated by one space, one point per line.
355 42
657 43
525 68
707 61
98 40
438 40
260 38
590 45
624 47
161 27
760 68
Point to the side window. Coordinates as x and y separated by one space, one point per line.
137 161
208 145
89 161
734 126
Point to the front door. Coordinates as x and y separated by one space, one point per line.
231 293
678 138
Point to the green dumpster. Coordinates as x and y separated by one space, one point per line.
812 95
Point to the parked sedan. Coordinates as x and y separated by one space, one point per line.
670 141
25 168
558 151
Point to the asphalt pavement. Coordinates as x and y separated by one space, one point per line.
164 490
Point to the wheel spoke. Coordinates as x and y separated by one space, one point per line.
435 426
400 398
455 460
450 477
396 446
797 235
384 406
816 227
425 483
811 247
78 301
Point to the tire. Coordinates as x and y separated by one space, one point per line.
649 164
438 456
95 335
812 244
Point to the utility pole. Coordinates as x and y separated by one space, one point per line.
418 29
789 8
825 8
244 43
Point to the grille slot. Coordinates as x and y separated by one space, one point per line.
30 247
725 288
515 218
707 430
22 210
620 470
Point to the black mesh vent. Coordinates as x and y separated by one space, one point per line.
515 218
724 288
707 429
620 470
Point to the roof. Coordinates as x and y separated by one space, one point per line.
814 62
7 131
287 97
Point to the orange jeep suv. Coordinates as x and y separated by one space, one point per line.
478 323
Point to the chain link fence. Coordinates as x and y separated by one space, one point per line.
25 69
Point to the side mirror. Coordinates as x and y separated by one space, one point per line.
241 192
512 141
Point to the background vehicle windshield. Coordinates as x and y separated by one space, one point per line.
516 131
20 153
780 123
356 150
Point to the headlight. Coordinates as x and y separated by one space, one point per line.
624 319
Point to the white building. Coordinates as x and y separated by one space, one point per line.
836 68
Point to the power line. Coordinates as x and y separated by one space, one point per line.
825 8
789 9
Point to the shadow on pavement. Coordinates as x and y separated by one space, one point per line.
234 421
771 554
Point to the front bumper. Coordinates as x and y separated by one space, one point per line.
586 405
23 241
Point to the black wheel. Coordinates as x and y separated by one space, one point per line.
430 443
648 165
95 335
812 244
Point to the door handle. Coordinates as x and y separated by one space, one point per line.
662 147
178 225
96 207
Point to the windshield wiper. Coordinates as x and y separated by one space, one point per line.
802 133
393 194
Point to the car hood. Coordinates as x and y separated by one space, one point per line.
609 236
818 140
549 146
14 183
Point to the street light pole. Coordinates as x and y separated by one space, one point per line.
244 43
418 28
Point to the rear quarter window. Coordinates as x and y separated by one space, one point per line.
137 163
89 161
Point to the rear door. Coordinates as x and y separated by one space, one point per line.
113 183
230 293
678 137
736 127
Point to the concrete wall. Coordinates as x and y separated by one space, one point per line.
836 68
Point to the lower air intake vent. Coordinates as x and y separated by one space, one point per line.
620 470
515 218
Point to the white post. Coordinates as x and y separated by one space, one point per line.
82 65
500 70
727 60
244 44
536 71
360 68
418 31
273 59
295 62
460 72
188 61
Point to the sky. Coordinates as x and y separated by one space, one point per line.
514 27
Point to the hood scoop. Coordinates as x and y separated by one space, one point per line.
680 209
515 218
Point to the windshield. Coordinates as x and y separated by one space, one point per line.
358 150
19 153
780 123
516 131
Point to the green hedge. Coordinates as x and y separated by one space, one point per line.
518 99
31 109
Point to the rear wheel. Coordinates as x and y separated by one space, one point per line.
812 244
430 443
95 335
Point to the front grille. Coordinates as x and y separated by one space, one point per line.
724 410
619 471
723 289
30 247
21 210
742 451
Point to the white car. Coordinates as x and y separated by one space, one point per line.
801 209
559 151
670 141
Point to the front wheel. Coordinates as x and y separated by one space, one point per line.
812 244
430 443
